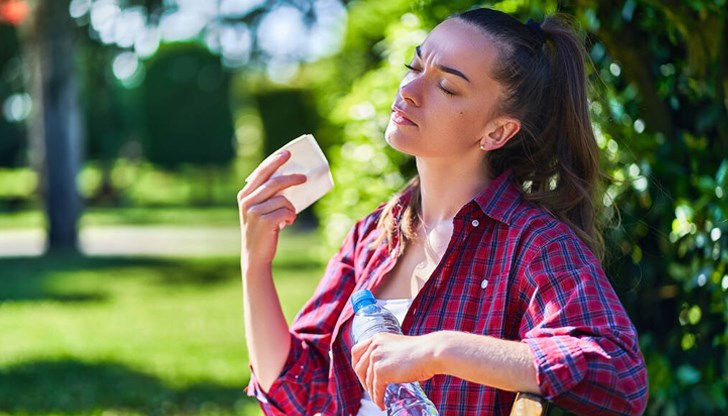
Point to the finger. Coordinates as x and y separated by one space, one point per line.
371 370
362 367
378 393
263 172
272 215
268 206
279 216
272 187
358 350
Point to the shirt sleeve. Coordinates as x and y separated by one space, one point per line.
585 348
302 386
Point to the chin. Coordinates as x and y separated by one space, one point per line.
400 146
392 139
401 141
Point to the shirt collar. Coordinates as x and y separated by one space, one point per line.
497 201
500 199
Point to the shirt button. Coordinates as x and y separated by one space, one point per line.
484 283
475 223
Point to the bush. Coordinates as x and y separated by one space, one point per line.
365 169
187 109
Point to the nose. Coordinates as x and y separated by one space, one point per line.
409 90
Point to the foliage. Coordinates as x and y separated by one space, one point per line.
659 82
187 109
239 32
662 112
112 112
285 114
364 167
12 143
12 132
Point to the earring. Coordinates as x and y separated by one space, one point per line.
482 146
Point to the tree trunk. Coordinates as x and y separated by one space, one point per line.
56 127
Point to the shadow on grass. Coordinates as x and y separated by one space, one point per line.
30 279
30 295
74 387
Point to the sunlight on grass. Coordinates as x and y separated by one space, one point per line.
22 219
134 336
92 217
161 216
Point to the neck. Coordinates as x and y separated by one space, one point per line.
446 187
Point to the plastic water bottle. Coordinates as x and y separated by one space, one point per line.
403 399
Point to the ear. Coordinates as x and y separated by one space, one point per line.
498 132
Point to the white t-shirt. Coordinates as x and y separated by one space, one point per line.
399 308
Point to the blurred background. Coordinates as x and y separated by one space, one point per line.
128 126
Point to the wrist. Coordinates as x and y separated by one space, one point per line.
439 342
254 270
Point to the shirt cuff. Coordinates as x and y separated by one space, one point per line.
291 379
560 364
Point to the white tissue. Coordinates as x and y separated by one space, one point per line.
307 159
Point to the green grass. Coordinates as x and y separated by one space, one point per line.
216 216
125 336
22 219
171 216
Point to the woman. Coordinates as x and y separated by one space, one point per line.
491 253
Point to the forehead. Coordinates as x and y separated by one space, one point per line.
461 45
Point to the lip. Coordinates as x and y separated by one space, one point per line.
400 117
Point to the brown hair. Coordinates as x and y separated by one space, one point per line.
554 157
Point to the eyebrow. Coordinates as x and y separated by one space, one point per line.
443 68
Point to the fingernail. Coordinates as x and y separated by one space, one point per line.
283 154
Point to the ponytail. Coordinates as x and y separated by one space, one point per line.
563 140
572 192
554 157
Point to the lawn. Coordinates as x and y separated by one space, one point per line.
130 336
212 216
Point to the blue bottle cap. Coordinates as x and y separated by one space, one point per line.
362 298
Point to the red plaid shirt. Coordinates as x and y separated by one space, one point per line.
511 271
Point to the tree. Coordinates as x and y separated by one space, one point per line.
56 129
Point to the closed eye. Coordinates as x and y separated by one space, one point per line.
443 89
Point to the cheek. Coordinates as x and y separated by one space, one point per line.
473 119
453 132
464 123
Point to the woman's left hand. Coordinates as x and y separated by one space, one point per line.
390 358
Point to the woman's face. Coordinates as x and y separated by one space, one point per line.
445 103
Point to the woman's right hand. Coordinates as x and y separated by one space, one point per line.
263 211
